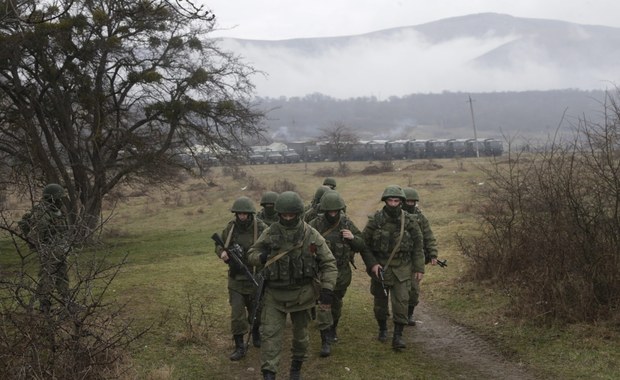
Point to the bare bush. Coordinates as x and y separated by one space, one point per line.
325 172
282 185
82 334
550 231
254 184
195 320
234 171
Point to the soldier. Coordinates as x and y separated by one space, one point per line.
330 182
429 244
312 211
45 230
394 242
244 230
298 269
268 213
343 239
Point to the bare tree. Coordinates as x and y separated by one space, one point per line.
340 140
94 94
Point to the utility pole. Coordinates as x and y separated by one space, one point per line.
473 122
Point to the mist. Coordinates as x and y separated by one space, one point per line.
406 62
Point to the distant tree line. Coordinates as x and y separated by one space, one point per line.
529 114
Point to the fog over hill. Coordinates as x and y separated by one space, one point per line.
477 53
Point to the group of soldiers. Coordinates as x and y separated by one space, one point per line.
303 255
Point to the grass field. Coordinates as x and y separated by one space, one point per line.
174 283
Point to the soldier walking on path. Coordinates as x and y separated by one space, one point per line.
429 243
298 269
343 239
394 243
243 230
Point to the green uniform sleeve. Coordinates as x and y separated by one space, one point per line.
367 233
261 245
430 244
326 261
417 254
225 232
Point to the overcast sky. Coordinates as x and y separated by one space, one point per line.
284 19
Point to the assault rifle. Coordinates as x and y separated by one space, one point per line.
442 264
236 253
258 296
382 279
347 226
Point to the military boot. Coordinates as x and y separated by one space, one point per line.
326 348
397 339
239 351
296 369
410 319
256 336
382 330
268 375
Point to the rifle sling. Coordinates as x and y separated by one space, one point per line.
330 229
281 254
400 239
229 237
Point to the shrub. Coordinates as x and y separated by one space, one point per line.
282 185
550 226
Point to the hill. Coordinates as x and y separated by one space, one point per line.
485 52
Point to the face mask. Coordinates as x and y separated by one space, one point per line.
392 211
332 219
290 223
409 208
269 210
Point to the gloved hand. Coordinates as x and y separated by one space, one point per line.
326 296
263 257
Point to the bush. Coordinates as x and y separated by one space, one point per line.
282 185
79 336
550 226
325 172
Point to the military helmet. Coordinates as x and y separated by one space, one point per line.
393 191
53 191
332 201
243 204
319 193
289 202
268 197
329 181
411 194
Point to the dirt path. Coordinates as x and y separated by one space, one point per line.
446 342
459 351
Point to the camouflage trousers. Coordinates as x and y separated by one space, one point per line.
241 307
273 322
414 295
398 294
326 317
53 276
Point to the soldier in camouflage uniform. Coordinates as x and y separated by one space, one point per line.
313 210
244 230
394 242
268 213
45 230
429 243
343 239
298 269
331 182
